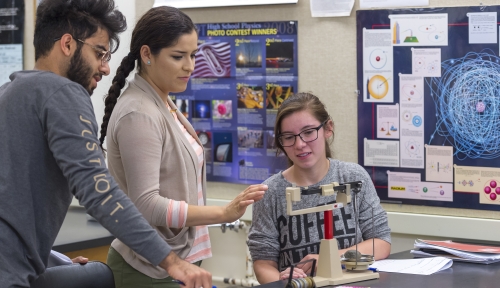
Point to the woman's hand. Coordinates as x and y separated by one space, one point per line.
236 208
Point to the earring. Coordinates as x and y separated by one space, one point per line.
149 62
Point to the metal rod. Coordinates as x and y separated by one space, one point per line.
356 218
373 232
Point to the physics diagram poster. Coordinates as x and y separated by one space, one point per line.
429 105
243 72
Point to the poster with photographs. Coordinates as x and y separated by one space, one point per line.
244 71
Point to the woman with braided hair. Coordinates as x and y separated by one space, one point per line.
154 152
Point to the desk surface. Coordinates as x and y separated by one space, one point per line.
459 275
77 233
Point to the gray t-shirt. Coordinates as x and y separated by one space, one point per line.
49 152
286 240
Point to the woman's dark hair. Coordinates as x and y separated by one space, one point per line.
159 28
300 102
80 18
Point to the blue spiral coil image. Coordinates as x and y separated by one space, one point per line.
467 102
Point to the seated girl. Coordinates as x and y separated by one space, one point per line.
304 131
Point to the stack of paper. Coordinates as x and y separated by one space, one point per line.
425 266
457 251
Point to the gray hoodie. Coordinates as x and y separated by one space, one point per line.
49 152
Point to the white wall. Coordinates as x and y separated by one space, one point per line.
127 7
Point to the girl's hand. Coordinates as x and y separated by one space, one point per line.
297 273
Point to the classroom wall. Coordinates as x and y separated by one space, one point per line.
327 67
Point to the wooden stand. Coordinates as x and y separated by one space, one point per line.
330 270
329 267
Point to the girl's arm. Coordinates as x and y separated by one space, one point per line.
266 271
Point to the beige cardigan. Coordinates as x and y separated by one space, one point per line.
152 161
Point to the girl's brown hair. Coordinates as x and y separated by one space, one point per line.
300 102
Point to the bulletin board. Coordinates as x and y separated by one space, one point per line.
428 85
243 73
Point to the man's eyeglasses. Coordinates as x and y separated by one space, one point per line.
103 55
308 135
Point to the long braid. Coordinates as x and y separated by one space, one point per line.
159 28
127 65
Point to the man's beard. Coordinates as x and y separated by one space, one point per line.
79 71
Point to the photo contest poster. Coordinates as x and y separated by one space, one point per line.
243 72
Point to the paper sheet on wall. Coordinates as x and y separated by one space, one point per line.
331 8
382 153
388 121
482 27
378 66
438 163
11 60
391 3
409 186
412 120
